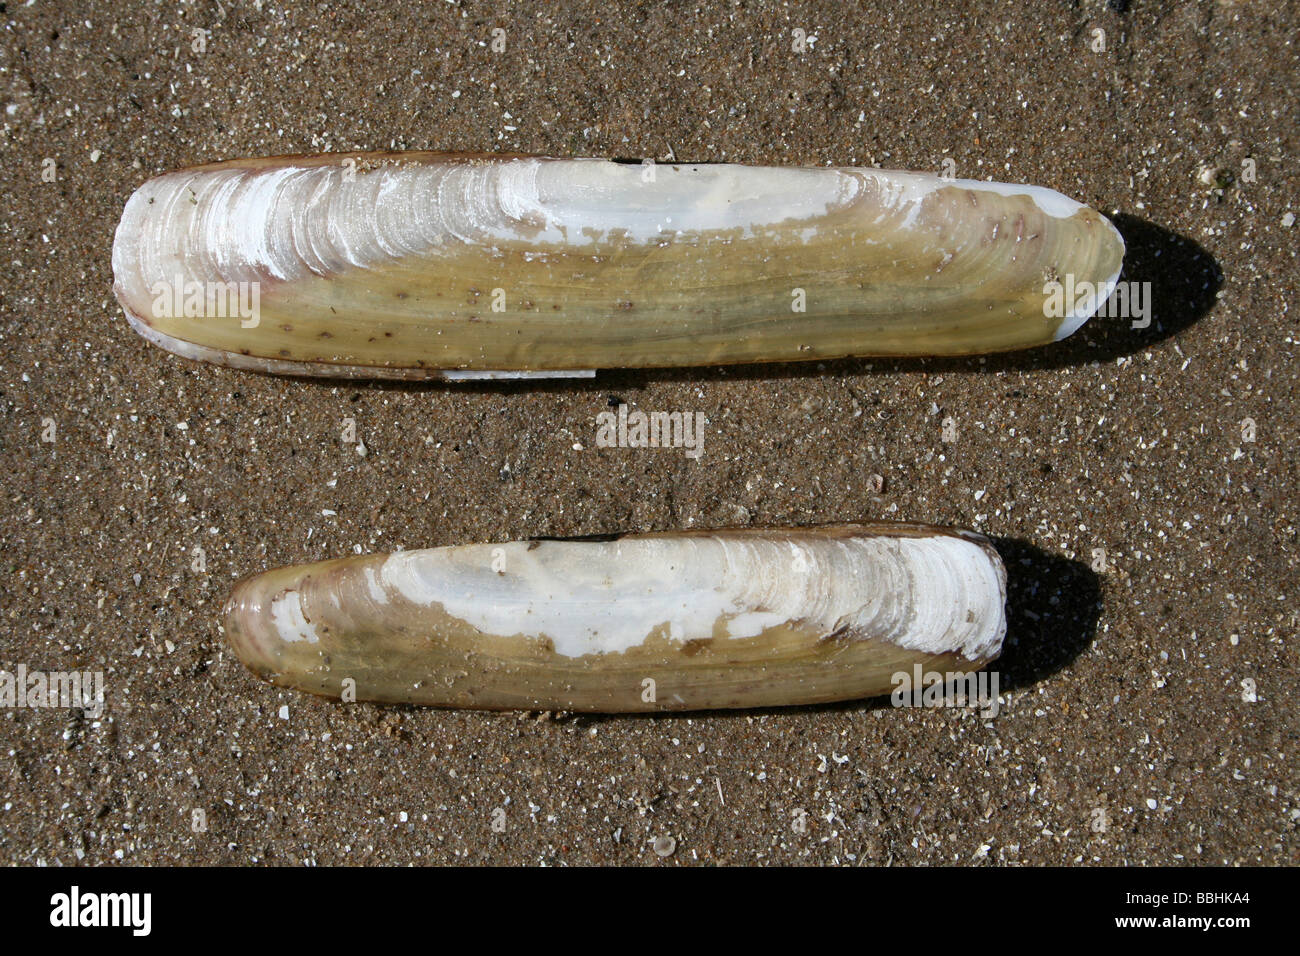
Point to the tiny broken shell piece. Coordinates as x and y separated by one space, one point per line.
421 265
672 621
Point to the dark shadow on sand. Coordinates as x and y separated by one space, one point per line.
1053 605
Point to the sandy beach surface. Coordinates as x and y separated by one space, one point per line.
1140 483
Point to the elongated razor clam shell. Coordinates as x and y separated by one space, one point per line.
722 619
413 265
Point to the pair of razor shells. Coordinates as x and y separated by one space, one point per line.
447 266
